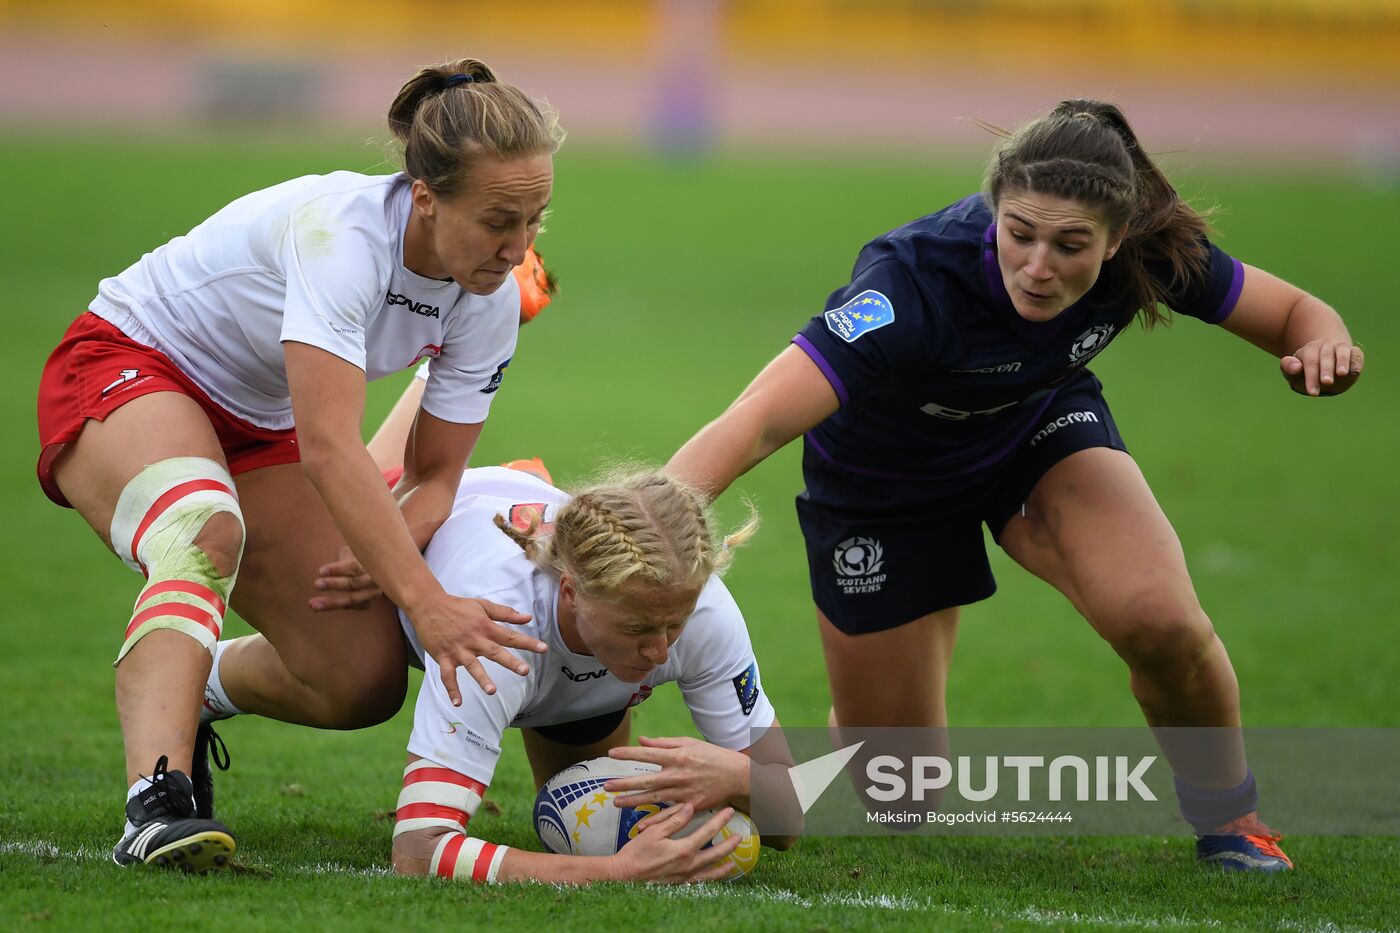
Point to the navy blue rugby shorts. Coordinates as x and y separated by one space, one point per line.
583 731
883 553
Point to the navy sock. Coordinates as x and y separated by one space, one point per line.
1208 810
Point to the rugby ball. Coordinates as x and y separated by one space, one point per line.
575 816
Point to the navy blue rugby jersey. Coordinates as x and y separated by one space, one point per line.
938 376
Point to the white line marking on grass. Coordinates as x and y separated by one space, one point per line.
1059 918
1035 915
784 896
749 892
330 868
49 852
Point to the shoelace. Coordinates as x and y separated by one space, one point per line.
176 799
1253 829
1269 846
1247 826
218 751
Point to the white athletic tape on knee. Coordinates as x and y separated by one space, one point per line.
434 796
158 516
466 857
163 495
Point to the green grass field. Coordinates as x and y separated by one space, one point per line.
679 282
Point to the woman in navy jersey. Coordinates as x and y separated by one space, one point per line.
945 387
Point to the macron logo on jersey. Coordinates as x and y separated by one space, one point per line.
867 311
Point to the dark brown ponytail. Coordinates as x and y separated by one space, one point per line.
1085 150
448 114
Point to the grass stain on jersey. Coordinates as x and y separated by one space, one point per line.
314 237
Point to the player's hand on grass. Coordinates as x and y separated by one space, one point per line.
1323 367
343 584
692 771
460 632
656 855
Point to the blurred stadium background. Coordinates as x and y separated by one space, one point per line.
726 161
1300 80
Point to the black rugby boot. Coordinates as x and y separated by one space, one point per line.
166 832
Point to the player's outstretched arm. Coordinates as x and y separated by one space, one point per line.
328 400
654 855
790 396
432 459
1314 349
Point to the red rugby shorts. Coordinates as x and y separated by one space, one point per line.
97 369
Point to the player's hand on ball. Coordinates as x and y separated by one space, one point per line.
655 855
460 632
1323 367
343 584
692 771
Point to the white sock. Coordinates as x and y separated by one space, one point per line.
140 785
216 704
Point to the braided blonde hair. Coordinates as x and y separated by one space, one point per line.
631 528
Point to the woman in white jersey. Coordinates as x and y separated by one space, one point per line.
620 581
242 350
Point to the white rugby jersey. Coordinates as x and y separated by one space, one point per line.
712 661
316 260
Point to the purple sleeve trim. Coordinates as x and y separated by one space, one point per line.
1232 297
808 348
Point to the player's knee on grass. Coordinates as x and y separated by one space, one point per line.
178 523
